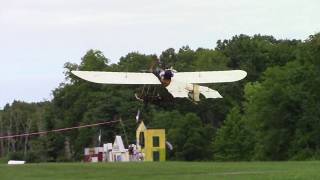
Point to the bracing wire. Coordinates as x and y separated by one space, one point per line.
58 130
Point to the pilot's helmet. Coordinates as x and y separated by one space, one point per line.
168 74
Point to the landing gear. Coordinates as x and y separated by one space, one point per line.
148 95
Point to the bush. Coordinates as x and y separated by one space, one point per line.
32 157
3 160
15 156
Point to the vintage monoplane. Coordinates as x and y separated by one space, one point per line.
178 84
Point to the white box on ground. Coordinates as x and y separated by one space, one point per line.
15 162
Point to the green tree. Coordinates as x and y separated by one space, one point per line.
279 109
189 137
234 141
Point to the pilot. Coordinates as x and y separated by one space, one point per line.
165 74
168 74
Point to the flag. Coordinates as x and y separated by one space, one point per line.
138 115
169 145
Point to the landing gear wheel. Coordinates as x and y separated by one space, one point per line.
137 97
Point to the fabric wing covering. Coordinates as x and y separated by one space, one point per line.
203 77
117 77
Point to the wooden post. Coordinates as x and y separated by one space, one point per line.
124 131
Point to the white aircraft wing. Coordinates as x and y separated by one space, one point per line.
203 77
177 89
117 77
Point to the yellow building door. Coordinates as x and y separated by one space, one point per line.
156 156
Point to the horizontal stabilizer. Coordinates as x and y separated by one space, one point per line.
177 89
209 93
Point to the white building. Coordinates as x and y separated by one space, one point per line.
119 153
115 152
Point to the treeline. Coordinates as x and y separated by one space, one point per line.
273 114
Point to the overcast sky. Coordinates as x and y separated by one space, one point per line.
38 36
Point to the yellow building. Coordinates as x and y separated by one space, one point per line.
152 143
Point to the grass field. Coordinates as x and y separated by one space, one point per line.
166 170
